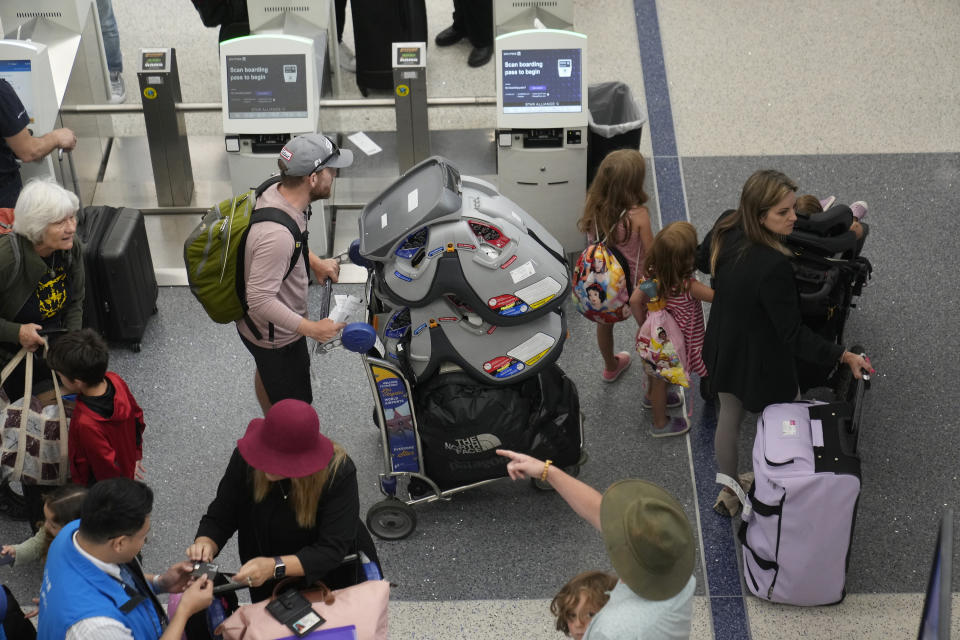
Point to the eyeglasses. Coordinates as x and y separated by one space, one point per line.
333 154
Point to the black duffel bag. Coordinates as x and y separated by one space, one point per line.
462 422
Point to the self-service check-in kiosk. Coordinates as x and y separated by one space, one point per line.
516 15
271 83
542 127
52 54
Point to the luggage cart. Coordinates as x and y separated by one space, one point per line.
394 517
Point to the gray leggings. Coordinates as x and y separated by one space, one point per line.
729 419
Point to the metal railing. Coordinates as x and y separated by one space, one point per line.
201 107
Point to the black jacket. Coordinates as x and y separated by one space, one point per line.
755 329
270 528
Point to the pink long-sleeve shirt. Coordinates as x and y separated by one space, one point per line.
267 257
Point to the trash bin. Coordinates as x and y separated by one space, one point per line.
616 121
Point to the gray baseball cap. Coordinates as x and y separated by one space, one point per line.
312 152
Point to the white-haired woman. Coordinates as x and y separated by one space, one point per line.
41 274
41 288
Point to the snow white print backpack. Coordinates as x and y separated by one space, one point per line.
602 283
660 341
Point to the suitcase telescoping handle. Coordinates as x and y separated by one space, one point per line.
861 387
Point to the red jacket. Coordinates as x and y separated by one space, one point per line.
102 448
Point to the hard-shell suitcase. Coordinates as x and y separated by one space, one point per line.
376 25
798 521
121 287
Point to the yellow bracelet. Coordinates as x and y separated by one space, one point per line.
546 467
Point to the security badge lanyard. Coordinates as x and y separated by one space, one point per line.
137 598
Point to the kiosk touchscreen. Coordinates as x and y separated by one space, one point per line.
270 87
542 127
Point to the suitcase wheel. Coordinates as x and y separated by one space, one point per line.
363 91
391 519
135 347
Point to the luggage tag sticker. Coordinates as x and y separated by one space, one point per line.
413 200
523 272
789 429
532 349
539 293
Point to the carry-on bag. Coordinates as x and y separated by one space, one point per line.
798 519
213 253
377 24
660 341
121 286
602 282
463 422
363 606
33 438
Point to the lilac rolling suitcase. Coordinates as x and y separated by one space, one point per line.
797 530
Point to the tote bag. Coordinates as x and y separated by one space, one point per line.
33 440
363 605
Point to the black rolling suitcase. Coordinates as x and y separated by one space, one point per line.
121 287
376 25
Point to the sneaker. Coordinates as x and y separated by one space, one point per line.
118 91
859 209
827 202
348 61
623 363
673 400
674 427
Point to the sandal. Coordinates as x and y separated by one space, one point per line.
727 504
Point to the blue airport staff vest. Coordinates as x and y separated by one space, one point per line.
75 589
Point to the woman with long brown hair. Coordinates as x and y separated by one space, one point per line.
291 496
755 331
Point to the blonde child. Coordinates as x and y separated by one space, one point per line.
671 262
615 211
579 600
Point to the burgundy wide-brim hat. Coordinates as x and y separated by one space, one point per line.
287 442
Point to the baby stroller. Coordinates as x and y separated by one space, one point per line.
830 273
465 292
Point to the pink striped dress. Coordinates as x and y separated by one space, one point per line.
688 312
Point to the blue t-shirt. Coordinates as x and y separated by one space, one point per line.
13 120
627 616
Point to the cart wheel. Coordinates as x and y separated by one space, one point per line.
573 471
391 519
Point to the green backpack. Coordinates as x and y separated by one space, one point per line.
214 254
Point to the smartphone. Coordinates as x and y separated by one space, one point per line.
7 559
205 568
